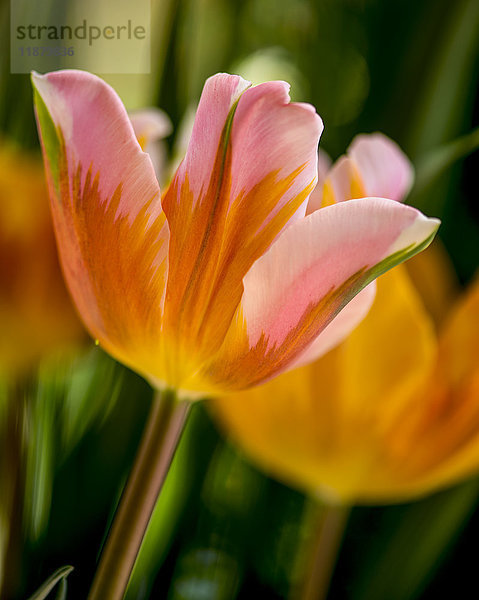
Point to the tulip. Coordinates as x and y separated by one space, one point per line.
221 282
174 287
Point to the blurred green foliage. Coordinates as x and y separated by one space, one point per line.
221 529
59 577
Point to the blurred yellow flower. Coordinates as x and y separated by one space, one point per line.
392 412
36 313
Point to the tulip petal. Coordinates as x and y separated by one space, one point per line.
434 276
340 327
249 169
441 421
324 165
390 353
384 168
316 266
343 182
459 347
373 166
458 364
150 125
105 200
220 95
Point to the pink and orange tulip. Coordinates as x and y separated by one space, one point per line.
220 282
392 412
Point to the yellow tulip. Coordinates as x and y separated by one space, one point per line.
393 411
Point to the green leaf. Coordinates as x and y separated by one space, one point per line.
58 577
443 100
62 590
433 164
410 543
443 108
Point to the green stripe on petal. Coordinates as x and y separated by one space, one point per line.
50 137
398 257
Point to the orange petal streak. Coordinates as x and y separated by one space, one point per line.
213 244
115 265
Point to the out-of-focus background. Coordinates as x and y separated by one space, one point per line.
222 528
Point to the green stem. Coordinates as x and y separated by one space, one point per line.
328 522
158 445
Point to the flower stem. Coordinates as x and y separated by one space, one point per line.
328 522
157 447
